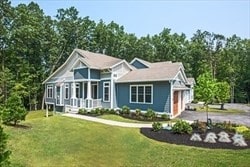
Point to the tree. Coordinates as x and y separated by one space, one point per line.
4 153
14 110
222 93
205 89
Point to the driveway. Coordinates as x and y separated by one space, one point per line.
240 118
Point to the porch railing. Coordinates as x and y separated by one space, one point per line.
86 103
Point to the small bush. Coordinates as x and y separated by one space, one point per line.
112 111
93 111
150 114
165 117
246 134
157 126
241 129
181 127
137 112
102 110
201 126
126 110
82 111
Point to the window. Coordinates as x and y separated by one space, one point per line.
66 91
77 90
50 91
106 91
141 93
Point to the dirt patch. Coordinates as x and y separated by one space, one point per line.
184 139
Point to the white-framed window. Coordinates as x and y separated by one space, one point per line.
106 91
77 90
141 94
66 91
49 91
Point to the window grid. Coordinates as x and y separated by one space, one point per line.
141 94
50 91
106 91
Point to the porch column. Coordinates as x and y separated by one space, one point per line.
89 90
47 111
73 94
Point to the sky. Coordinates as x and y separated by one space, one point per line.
142 17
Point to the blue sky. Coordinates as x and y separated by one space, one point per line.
226 17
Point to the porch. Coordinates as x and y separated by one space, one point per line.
85 103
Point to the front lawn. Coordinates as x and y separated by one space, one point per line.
63 141
217 110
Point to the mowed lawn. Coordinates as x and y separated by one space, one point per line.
62 141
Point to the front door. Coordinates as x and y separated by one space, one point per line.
175 103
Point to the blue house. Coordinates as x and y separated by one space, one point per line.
92 80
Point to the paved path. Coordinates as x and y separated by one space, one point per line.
240 118
109 122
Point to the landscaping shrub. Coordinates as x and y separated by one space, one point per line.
181 127
157 126
82 111
246 134
241 129
112 111
150 114
93 111
200 126
137 113
126 110
102 110
165 117
14 110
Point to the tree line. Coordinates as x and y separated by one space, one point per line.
33 45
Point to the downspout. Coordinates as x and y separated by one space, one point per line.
171 98
111 90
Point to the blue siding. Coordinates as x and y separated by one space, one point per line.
161 96
138 65
81 73
95 74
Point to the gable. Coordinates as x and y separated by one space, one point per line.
120 69
65 72
139 65
181 76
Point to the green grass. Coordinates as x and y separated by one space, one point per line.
62 141
120 118
217 110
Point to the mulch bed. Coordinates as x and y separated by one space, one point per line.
184 139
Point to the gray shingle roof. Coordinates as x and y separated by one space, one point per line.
162 71
97 60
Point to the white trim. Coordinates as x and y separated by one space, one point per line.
49 103
171 98
144 93
139 61
182 75
123 61
146 80
105 79
103 98
66 86
52 93
65 63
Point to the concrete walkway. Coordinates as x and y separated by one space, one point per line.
108 122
